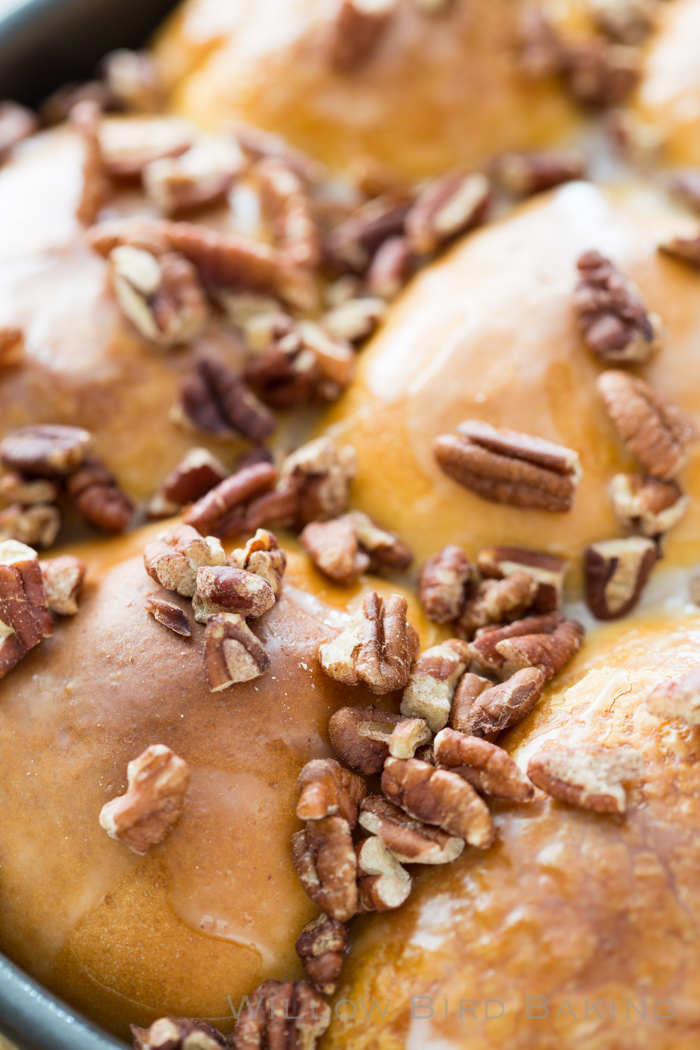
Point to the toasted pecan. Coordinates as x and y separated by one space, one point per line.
281 1014
546 642
547 570
616 573
232 653
383 883
497 601
63 579
432 682
448 206
408 839
677 698
589 777
325 861
169 614
141 818
489 769
356 32
444 583
326 789
645 504
484 710
177 553
321 946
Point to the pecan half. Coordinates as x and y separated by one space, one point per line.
169 614
47 451
614 321
687 249
356 319
217 401
177 1033
628 21
599 74
497 601
157 782
232 653
98 498
24 618
325 788
616 573
383 883
287 208
37 526
354 242
345 547
448 206
321 946
85 119
63 579
437 796
589 777
132 78
409 840
321 473
489 769
175 556
524 174
444 583
16 123
161 296
263 556
201 176
645 504
547 570
195 475
224 588
654 429
504 466
390 269
546 642
325 861
484 710
11 345
229 499
355 34
432 682
377 648
281 1014
677 698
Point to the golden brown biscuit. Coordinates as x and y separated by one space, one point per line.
489 333
217 906
570 908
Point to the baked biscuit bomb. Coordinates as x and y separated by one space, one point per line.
196 898
417 87
573 907
516 329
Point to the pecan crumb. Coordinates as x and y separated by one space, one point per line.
383 883
161 295
504 466
232 653
614 322
217 401
589 777
616 573
169 614
195 475
432 682
377 648
281 1014
37 526
444 583
321 946
63 579
326 789
98 498
16 123
177 1033
546 642
645 504
157 782
11 346
547 570
85 118
488 768
484 710
409 840
448 206
325 861
356 32
677 698
46 451
175 556
654 429
524 174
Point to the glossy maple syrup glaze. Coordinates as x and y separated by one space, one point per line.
216 907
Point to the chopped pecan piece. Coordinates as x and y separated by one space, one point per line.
444 583
356 319
325 861
484 710
437 796
589 777
37 526
263 556
28 492
177 1033
628 21
162 297
546 642
195 179
432 682
16 123
613 319
360 737
546 569
408 735
687 249
175 556
383 883
326 789
157 782
287 208
281 1014
409 840
63 579
129 146
616 573
677 698
353 244
654 429
385 549
24 618
356 32
489 769
217 401
169 614
321 946
98 498
227 589
11 345
304 365
448 206
133 80
524 174
47 451
232 653
195 475
645 504
504 466
497 601
599 74
85 118
345 547
321 473
230 498
390 268
377 647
